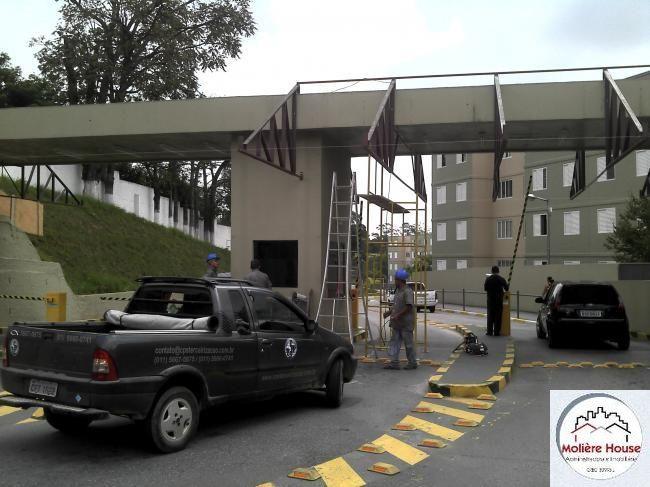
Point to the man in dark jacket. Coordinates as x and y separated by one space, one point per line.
494 285
257 277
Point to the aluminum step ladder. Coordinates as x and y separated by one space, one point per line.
342 266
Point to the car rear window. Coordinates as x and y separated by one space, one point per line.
593 294
178 301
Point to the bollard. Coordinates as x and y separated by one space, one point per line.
463 299
505 315
354 309
55 306
443 298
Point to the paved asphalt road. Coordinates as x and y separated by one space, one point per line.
248 444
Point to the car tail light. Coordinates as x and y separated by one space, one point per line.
104 368
5 351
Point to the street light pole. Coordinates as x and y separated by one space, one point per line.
548 225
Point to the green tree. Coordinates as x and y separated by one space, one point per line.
16 91
106 51
631 238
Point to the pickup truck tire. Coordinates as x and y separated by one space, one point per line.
66 423
334 385
174 419
432 309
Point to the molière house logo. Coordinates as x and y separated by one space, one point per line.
599 436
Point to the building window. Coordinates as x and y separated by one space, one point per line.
504 263
441 265
504 229
571 223
461 264
505 189
461 230
441 195
461 158
567 174
642 162
539 262
461 192
441 232
601 164
606 220
571 262
539 179
540 225
441 161
279 259
507 155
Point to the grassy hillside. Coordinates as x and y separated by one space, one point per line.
104 249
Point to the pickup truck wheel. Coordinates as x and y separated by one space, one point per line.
624 342
334 385
66 423
173 420
432 309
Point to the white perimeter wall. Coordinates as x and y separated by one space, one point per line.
131 197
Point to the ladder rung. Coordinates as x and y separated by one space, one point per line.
342 202
332 316
343 187
332 265
340 218
338 233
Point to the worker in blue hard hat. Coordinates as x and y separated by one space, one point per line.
213 260
402 318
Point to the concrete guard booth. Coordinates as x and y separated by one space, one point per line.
284 149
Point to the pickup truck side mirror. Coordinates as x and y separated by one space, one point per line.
311 326
539 300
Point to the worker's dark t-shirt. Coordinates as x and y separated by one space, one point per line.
495 285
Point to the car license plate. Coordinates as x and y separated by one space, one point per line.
589 313
43 388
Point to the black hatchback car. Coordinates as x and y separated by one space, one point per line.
592 310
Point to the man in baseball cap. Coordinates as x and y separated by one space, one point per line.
401 323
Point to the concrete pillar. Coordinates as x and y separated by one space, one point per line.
268 204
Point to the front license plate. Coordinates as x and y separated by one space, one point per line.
588 313
43 388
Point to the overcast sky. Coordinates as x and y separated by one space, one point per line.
299 40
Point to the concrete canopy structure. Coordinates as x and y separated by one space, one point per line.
546 116
331 128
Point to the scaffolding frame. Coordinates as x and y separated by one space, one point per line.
419 246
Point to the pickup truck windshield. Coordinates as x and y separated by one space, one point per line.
177 301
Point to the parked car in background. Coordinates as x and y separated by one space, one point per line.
592 310
423 298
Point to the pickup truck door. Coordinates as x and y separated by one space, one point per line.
289 356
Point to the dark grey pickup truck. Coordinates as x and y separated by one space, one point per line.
181 345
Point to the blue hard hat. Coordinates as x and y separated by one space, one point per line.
212 256
401 274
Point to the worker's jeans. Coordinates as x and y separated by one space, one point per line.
396 338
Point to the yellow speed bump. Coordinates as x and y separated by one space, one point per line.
423 407
626 366
384 468
611 364
600 366
435 378
487 397
371 448
456 413
562 364
401 450
575 366
537 363
403 427
480 405
526 366
468 423
587 364
442 370
266 484
431 443
433 395
304 473
639 364
550 366
425 361
368 360
38 414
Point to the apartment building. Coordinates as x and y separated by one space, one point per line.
577 229
402 253
469 230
